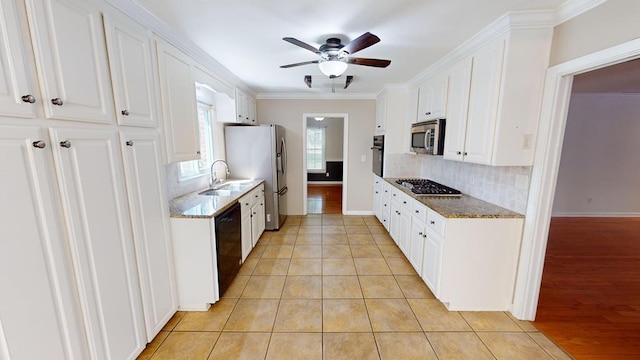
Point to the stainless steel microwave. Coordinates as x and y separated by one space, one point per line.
427 137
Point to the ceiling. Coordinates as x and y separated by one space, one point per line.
245 36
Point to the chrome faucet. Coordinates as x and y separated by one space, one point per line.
213 179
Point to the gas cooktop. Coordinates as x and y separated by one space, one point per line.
424 187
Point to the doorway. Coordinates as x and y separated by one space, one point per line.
590 293
324 160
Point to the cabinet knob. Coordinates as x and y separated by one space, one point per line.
376 192
65 144
198 152
428 113
57 101
246 204
465 153
39 144
129 143
424 236
420 233
458 153
432 222
404 202
125 112
379 126
29 99
417 212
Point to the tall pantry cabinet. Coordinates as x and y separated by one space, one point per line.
85 258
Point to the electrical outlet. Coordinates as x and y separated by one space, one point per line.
527 140
327 174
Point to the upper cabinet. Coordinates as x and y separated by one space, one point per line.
381 112
178 93
18 93
432 98
245 108
71 59
494 99
132 69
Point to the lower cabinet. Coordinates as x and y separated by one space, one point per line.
432 260
253 219
94 201
417 239
40 316
194 250
145 180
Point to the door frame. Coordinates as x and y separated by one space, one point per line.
544 175
345 156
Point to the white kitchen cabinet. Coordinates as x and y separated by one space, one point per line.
381 113
196 262
400 227
178 98
90 176
417 239
432 261
145 179
432 98
18 91
494 99
253 219
38 301
377 197
246 205
245 108
132 70
457 108
259 221
71 59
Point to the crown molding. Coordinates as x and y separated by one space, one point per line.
135 11
319 96
573 8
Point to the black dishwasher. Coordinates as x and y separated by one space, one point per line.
228 246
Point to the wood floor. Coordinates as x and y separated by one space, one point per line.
324 199
590 294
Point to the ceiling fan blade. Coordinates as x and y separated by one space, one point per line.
301 44
364 41
369 62
299 64
348 82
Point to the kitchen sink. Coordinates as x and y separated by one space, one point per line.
220 192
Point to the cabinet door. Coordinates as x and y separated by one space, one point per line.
255 224
394 223
178 93
483 103
38 296
381 113
241 106
132 71
251 105
416 246
89 171
246 235
15 67
262 223
404 231
457 106
144 174
71 57
432 262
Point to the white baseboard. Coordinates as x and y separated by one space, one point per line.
595 214
359 213
324 182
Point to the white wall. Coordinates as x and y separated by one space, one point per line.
599 173
335 136
288 113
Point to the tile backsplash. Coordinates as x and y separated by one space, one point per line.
506 186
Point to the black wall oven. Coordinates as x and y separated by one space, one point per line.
378 154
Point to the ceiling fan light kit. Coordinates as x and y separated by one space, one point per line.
336 57
333 67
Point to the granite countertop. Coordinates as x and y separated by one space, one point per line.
459 207
194 205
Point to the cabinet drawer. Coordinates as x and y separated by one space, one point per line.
377 183
245 204
419 211
401 198
436 222
386 189
386 205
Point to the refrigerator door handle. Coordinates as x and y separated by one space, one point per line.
283 156
283 191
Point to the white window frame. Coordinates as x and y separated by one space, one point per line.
323 149
205 148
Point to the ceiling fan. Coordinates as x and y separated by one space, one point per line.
335 56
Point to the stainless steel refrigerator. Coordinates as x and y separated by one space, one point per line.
260 152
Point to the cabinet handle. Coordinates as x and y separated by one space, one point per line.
432 222
424 236
65 144
465 153
458 153
29 99
404 202
394 194
376 192
428 113
39 144
198 152
379 126
417 212
57 101
129 143
247 204
125 112
420 233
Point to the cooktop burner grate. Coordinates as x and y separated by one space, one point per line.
424 187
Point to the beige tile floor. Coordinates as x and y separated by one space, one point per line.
337 287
